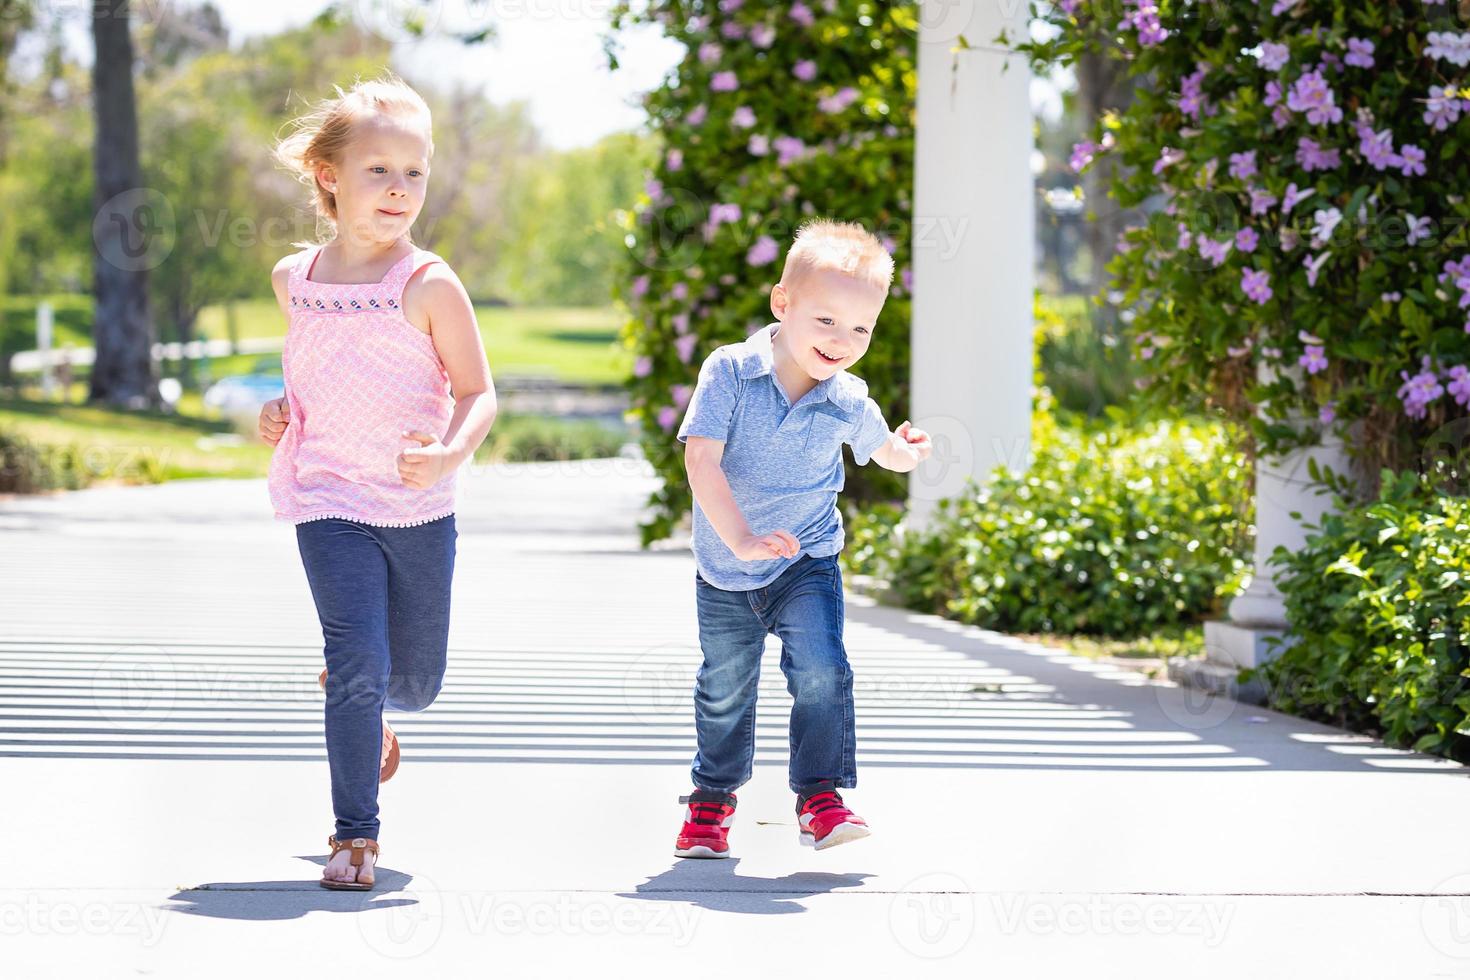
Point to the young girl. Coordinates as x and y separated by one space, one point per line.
387 393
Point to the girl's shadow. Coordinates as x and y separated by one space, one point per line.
273 900
714 885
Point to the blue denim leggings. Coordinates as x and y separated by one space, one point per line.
382 595
804 608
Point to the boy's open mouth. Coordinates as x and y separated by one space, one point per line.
822 354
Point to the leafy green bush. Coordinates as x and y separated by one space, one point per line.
1085 367
539 438
1380 619
1114 531
26 467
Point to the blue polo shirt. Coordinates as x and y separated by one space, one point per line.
783 461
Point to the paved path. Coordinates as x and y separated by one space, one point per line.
1034 814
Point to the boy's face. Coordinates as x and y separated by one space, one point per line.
827 320
382 178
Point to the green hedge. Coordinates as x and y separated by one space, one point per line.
1115 531
1380 619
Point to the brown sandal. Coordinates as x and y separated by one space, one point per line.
358 846
388 760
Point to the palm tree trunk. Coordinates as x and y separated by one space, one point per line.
124 226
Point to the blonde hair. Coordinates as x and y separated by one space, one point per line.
322 134
838 246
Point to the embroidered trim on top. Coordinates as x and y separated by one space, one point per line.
318 305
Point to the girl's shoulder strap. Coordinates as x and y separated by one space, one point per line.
305 259
399 276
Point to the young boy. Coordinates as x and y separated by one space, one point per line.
763 449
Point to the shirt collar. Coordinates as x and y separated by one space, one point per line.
764 362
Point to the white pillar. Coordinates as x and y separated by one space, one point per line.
973 244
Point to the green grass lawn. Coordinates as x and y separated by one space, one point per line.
578 345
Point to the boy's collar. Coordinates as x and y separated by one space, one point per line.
764 361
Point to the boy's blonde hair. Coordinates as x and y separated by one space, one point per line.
839 246
322 134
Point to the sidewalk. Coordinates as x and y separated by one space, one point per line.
1035 815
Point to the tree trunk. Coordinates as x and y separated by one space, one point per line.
125 228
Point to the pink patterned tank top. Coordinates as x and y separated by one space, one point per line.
358 374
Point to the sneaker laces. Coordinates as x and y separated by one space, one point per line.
707 812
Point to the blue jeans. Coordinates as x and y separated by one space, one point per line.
804 608
382 595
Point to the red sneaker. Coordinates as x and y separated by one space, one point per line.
706 825
826 821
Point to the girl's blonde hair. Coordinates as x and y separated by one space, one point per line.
839 246
322 134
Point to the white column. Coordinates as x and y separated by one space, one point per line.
973 244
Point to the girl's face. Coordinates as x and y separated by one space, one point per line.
381 180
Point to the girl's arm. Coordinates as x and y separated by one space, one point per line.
456 337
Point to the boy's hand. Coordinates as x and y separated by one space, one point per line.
275 415
761 547
421 466
917 440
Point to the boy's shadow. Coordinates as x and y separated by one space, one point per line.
279 900
714 885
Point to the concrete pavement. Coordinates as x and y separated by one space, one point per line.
1034 814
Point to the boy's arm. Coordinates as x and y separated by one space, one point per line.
702 458
904 450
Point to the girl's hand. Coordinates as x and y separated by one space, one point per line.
275 415
421 466
761 547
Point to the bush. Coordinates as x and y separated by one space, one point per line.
1378 611
538 438
776 114
1114 531
1085 367
29 468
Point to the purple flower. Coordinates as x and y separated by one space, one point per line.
1294 197
685 346
732 30
1192 100
743 117
1459 387
764 35
1256 285
643 367
709 53
1144 18
800 13
1311 94
1215 251
805 70
680 394
667 416
640 286
1452 47
1167 158
1390 297
1419 228
1243 165
724 81
1312 157
788 149
1185 239
1314 360
696 115
1281 117
1443 107
1274 93
674 159
1274 56
681 323
654 189
730 6
1289 239
759 145
1419 391
1328 413
1360 53
1261 201
1246 240
722 213
1412 159
1282 6
1377 147
1325 222
908 279
1083 154
838 101
763 252
1313 264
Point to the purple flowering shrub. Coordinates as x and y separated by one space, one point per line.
777 113
1308 159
